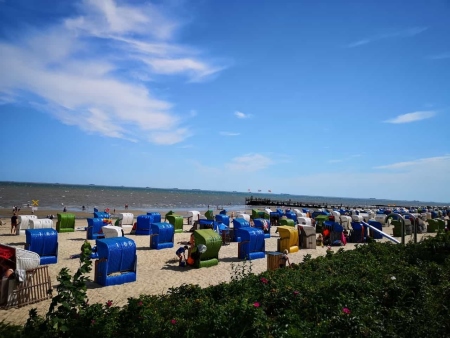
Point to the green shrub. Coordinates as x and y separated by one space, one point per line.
376 290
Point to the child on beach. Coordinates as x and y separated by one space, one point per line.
284 259
181 253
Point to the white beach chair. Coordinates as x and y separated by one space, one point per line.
111 231
40 223
24 223
126 219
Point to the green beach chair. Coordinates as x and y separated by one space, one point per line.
209 215
287 222
176 221
397 230
213 242
434 225
319 222
65 223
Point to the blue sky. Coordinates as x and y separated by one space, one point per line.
329 98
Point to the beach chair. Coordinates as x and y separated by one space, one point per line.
31 284
94 229
162 236
144 225
213 242
44 242
252 244
125 219
237 224
374 234
35 223
65 223
209 215
111 231
264 225
223 218
176 221
117 261
23 223
289 239
307 236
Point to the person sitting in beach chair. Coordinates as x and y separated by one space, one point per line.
181 253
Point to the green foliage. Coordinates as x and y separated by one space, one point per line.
376 290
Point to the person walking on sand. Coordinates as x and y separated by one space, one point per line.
14 223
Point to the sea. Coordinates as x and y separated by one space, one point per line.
75 196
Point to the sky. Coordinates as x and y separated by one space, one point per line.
320 98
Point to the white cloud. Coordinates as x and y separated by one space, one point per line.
406 33
227 133
241 115
412 117
335 161
195 69
249 163
93 72
419 163
170 137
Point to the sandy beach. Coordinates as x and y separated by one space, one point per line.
157 270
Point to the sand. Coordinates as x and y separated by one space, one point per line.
157 270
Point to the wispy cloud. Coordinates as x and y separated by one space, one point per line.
249 163
417 163
86 74
411 117
227 133
241 115
406 33
440 56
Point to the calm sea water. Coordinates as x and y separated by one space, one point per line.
55 196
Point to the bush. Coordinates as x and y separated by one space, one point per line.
376 290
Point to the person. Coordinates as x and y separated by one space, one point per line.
6 268
181 253
14 223
284 259
7 273
65 209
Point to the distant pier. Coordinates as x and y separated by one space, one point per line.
255 201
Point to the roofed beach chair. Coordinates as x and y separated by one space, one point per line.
32 282
213 242
209 214
117 261
65 223
44 242
94 229
237 224
264 225
162 236
23 223
289 239
112 231
36 223
125 219
252 244
144 225
176 221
